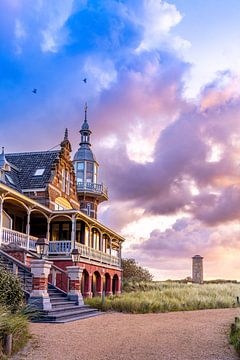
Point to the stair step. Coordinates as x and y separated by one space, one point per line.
65 302
57 298
70 319
69 308
67 315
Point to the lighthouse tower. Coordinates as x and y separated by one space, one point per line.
90 192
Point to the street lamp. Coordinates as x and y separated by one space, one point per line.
75 255
42 245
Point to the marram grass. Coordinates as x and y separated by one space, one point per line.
171 297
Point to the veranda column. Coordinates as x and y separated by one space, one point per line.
75 277
40 268
48 229
120 254
73 234
1 219
28 227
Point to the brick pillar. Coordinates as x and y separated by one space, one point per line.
197 269
119 287
109 291
88 292
39 296
75 276
100 288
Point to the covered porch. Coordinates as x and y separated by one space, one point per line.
23 221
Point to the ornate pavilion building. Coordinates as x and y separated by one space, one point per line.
46 194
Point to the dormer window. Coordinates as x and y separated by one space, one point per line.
9 178
39 172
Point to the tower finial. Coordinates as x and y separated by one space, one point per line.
66 135
85 109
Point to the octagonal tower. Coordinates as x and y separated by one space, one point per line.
90 192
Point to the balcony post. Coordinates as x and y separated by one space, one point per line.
120 254
73 234
28 227
1 219
48 228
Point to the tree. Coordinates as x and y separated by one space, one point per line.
133 272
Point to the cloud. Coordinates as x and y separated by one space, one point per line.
157 19
171 251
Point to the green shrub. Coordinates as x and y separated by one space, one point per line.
15 324
11 293
170 297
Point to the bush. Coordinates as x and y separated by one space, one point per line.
15 324
132 271
11 293
170 297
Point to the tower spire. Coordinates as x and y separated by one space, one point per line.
66 135
85 109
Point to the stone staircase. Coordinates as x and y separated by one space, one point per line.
63 310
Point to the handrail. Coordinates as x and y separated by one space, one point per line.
14 260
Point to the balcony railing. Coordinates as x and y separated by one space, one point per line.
64 248
14 237
58 247
99 189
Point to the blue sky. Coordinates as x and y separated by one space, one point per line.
163 95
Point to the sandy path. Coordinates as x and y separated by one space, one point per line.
191 335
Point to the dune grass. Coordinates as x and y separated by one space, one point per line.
165 297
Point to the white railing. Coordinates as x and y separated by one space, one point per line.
100 189
15 237
60 247
64 248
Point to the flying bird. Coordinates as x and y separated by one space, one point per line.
85 80
34 91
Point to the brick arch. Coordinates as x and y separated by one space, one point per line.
107 283
85 282
115 284
96 284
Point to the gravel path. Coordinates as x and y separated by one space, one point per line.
201 335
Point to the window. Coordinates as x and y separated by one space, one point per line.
63 180
39 172
80 172
68 183
9 178
89 174
95 174
88 209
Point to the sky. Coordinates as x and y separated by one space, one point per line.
163 95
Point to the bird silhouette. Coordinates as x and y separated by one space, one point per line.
34 91
85 80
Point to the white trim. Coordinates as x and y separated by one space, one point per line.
33 190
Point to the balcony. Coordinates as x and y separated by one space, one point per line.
14 237
93 188
64 248
58 247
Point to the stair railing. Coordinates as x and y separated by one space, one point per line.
26 275
58 277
